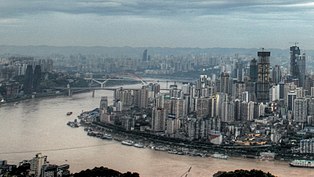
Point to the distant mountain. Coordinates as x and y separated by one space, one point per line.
134 52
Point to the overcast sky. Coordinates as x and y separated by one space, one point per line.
156 23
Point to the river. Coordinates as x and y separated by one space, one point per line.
39 125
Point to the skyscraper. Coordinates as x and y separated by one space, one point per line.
263 78
294 55
28 79
297 65
276 74
224 83
37 78
145 56
253 70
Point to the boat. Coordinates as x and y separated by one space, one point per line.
173 151
160 148
127 142
73 124
106 136
219 156
302 163
69 113
138 145
267 156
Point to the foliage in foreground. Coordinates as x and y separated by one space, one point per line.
243 173
104 172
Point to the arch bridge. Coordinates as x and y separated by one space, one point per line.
114 77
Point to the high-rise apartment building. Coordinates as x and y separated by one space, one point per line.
158 119
225 83
36 164
300 110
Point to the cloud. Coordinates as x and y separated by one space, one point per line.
151 8
156 22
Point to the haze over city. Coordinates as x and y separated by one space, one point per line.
139 23
147 88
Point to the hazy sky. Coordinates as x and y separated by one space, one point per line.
149 23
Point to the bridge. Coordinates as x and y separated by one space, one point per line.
127 77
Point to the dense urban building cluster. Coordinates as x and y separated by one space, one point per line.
236 100
13 68
38 166
249 103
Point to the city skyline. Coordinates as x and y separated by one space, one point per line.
139 23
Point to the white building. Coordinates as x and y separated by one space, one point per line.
36 164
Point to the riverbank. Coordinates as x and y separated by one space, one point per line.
43 95
172 145
178 145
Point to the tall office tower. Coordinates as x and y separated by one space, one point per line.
297 65
28 81
263 82
37 78
312 91
224 83
145 56
158 119
302 70
300 110
294 55
253 70
276 74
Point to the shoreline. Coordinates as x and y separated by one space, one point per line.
171 144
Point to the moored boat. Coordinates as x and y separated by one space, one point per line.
138 145
69 113
106 136
219 156
302 163
127 142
